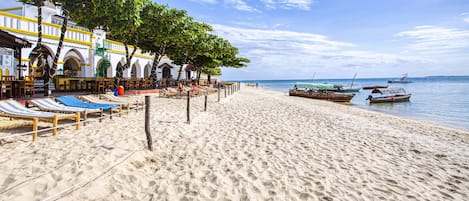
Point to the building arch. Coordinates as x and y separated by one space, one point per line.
135 70
166 70
147 71
73 61
36 66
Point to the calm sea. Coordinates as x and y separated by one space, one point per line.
442 100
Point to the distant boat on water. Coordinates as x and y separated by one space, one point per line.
381 95
319 91
403 79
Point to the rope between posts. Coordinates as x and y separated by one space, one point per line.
104 115
62 165
86 182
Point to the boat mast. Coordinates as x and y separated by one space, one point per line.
353 80
314 74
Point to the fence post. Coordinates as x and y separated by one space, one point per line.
205 105
224 87
147 123
188 107
218 92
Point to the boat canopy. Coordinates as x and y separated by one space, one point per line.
320 86
389 91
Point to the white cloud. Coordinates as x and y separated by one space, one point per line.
288 4
436 40
241 5
276 52
466 19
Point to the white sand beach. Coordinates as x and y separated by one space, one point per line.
254 145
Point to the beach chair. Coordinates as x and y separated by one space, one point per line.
121 99
13 109
95 99
47 104
75 102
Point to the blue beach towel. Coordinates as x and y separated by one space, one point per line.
75 102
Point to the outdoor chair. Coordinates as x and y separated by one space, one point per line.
13 109
47 104
75 102
95 99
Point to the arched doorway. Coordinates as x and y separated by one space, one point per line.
167 72
133 71
147 70
72 63
36 65
103 67
72 67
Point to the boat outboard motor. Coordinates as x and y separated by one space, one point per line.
369 97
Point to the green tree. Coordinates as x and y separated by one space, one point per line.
166 30
120 18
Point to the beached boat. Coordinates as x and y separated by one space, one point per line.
323 95
403 79
381 95
375 87
310 90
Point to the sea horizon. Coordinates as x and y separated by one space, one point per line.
438 99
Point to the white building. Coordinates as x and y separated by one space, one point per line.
84 53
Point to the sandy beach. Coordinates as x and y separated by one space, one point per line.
254 145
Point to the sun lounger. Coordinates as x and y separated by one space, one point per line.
94 99
120 99
13 109
75 102
169 93
47 104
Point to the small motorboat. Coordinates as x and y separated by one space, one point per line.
403 79
380 95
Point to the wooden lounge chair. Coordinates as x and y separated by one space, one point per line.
47 104
13 109
75 102
94 99
120 99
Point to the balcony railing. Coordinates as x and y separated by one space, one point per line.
28 26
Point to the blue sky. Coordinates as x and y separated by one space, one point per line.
294 39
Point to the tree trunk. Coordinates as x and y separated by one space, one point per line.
209 79
179 74
51 71
128 58
199 72
154 66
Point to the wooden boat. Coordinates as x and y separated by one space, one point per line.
380 95
319 91
403 79
375 87
322 95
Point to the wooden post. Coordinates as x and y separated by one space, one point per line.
35 122
188 107
224 87
218 92
147 123
205 105
77 120
55 121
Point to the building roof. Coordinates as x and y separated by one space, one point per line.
11 41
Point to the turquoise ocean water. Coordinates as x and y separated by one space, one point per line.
442 100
